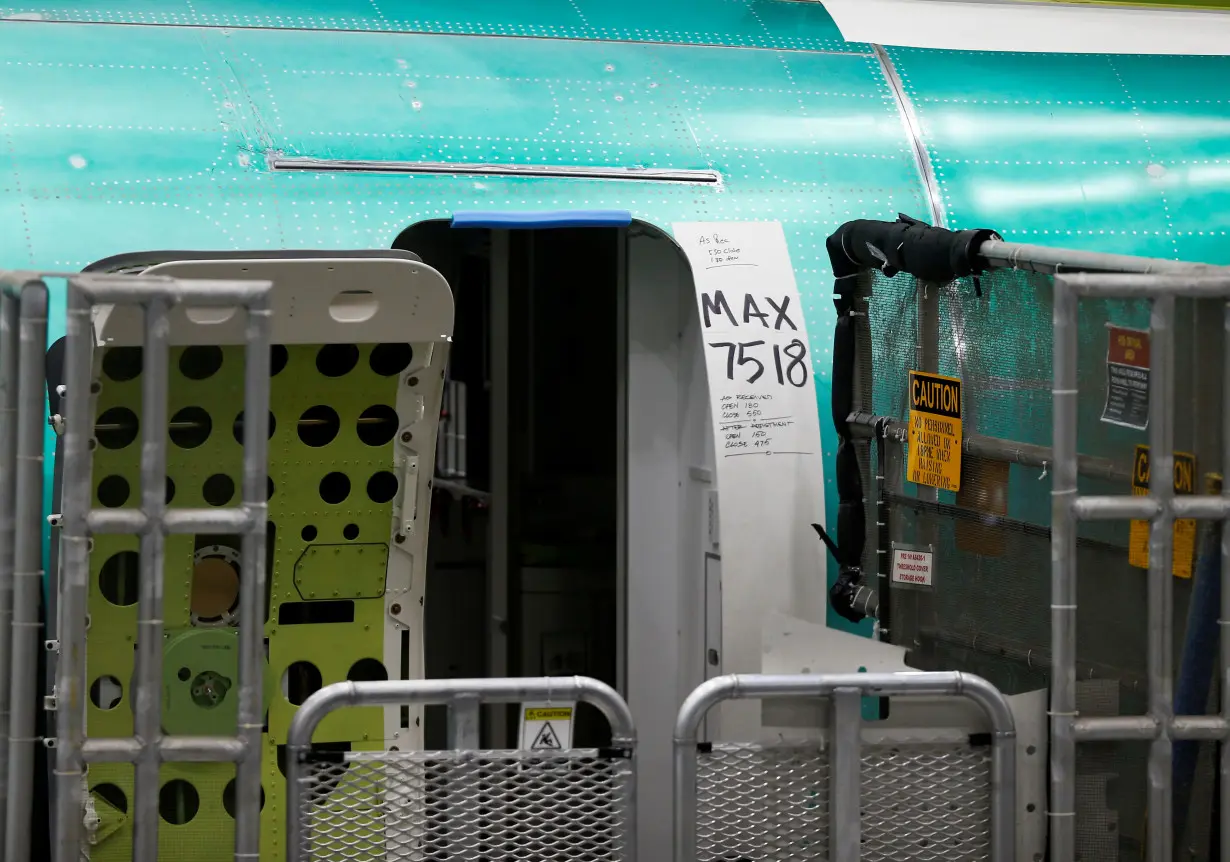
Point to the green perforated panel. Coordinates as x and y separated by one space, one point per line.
333 420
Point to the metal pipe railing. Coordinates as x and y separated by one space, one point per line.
27 583
462 696
1160 726
1040 258
9 344
846 690
997 448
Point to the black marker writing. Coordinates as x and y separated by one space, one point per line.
792 371
717 306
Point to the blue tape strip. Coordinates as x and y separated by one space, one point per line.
555 218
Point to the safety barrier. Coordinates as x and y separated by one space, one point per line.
149 748
1160 508
949 552
855 801
462 804
23 344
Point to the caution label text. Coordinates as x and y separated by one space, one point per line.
935 431
1184 530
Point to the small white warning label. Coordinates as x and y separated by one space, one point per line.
912 566
546 726
546 740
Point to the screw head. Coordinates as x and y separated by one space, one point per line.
406 436
399 538
395 608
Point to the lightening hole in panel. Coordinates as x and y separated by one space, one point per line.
219 489
215 588
319 425
335 488
335 360
268 488
271 552
200 362
367 670
382 487
320 752
315 613
190 427
178 802
116 428
237 426
389 359
170 490
300 681
113 491
106 692
278 357
377 425
117 579
350 532
228 797
122 363
308 533
112 795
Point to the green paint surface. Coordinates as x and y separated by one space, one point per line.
297 470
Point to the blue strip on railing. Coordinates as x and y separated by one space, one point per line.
554 218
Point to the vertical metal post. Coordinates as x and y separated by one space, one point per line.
1224 616
463 712
845 775
1062 814
75 571
622 346
463 723
1161 585
9 335
501 496
146 694
256 387
27 566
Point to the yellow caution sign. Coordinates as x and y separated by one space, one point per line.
935 431
558 713
1184 530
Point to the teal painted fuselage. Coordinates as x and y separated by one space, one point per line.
126 128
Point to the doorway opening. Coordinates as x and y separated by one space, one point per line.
525 550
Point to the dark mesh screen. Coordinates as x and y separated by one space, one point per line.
989 610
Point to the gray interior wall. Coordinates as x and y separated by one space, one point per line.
669 445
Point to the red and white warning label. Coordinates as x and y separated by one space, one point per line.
912 566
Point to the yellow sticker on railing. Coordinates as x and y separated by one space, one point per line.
935 431
1184 530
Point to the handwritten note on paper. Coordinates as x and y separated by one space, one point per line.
766 431
751 320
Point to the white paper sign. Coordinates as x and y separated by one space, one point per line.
546 727
766 424
912 566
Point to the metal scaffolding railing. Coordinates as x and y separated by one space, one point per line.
1160 726
463 803
148 748
847 784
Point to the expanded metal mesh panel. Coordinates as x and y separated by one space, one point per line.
989 610
919 802
480 805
